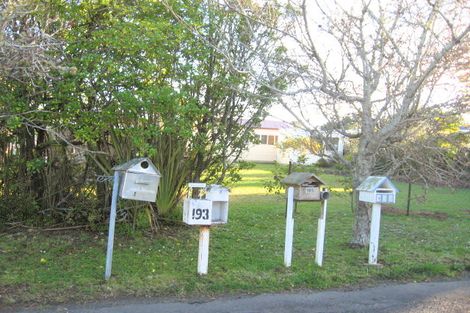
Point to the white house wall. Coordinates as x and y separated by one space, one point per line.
271 153
266 152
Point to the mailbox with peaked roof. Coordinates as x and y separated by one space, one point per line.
307 186
377 189
139 180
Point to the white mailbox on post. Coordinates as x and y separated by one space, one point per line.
209 211
139 180
210 208
377 189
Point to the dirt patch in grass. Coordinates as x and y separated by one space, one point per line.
7 292
396 211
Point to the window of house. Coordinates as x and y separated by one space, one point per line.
267 139
272 140
264 139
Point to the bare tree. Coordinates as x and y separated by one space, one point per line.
382 63
370 71
28 40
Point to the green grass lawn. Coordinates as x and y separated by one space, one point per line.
246 255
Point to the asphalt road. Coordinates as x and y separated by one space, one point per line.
453 297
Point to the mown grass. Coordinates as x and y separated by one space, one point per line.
246 255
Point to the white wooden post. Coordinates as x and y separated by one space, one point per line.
112 223
203 256
289 227
321 234
374 234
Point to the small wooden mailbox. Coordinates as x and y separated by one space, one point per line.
377 189
304 187
139 180
307 186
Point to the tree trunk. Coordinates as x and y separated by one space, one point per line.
361 228
364 166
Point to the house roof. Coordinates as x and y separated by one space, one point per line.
266 124
372 183
269 124
150 169
298 178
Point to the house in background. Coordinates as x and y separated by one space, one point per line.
271 134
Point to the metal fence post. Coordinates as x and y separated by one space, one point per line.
112 223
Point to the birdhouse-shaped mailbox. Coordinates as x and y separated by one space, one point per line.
211 210
139 180
377 189
307 186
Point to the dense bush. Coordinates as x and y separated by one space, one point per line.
130 80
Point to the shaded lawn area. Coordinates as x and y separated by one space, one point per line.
246 255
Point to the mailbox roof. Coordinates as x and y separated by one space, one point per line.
373 183
217 187
130 164
298 178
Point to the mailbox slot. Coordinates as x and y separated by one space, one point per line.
377 189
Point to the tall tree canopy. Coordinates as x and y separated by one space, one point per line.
143 78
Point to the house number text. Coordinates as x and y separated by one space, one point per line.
200 214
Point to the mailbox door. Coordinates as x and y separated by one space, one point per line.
385 198
141 187
307 193
197 212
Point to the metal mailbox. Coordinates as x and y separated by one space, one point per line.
377 189
139 180
209 209
307 186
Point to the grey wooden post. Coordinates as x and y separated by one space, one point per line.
112 223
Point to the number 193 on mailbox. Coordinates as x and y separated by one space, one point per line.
197 212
